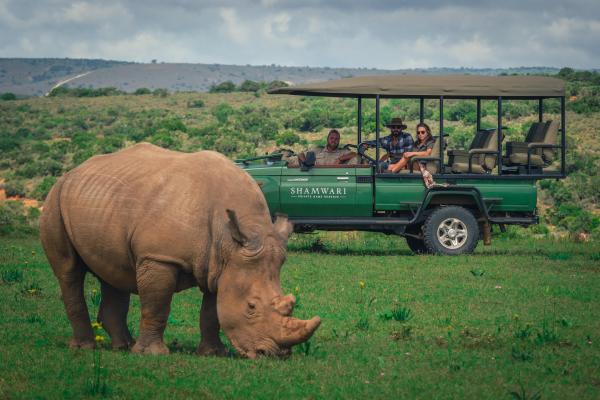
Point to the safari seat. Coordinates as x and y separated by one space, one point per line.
540 141
431 162
481 157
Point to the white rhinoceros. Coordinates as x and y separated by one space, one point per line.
153 222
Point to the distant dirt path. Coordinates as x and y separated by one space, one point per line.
59 84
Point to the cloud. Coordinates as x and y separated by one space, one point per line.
353 33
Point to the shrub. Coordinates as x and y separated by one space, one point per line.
142 91
199 103
223 87
16 220
172 124
14 188
166 140
43 188
249 86
7 96
287 137
160 92
222 112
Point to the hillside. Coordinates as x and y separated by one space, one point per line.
42 138
36 77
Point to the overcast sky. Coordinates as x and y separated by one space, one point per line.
335 33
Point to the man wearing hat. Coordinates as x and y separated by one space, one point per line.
396 143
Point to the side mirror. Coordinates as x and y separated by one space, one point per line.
309 161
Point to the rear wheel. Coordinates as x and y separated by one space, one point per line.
451 230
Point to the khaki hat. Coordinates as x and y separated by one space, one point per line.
397 122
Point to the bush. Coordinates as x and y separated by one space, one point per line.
142 91
43 188
222 112
223 87
7 96
16 220
14 187
160 92
166 140
288 137
249 86
195 103
172 124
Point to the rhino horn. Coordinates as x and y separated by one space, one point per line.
295 331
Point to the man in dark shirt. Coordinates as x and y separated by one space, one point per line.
395 144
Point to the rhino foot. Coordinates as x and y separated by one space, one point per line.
205 349
154 348
82 344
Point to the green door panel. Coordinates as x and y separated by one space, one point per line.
499 195
321 192
398 194
269 179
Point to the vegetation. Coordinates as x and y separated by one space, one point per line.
528 325
246 86
42 138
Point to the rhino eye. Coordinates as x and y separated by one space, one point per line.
251 306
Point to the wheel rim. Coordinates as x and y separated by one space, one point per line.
452 233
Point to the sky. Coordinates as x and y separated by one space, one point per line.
335 33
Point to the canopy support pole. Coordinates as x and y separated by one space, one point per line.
499 132
478 114
377 144
563 138
441 138
540 110
359 119
421 109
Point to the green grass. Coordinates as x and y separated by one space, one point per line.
529 326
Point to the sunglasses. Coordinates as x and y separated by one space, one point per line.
423 132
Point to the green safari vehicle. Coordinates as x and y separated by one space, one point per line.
493 182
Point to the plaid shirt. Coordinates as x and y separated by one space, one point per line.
405 143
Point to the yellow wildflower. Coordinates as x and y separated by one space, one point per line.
361 284
94 291
99 338
96 325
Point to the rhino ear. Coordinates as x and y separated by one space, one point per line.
235 228
283 226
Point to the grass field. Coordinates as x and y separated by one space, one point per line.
519 319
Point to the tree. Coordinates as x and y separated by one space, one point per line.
249 86
223 87
8 96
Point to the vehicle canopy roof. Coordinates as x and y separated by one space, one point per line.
433 86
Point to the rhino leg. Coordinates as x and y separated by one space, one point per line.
70 271
210 343
156 284
113 316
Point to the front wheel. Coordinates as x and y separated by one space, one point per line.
451 230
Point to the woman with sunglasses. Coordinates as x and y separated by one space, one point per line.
423 146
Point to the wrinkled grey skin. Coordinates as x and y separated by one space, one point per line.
153 222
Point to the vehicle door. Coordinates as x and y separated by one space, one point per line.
321 191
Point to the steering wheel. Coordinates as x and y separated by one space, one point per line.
360 149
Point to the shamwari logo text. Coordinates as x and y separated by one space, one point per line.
317 192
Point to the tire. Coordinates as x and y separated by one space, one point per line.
416 245
451 231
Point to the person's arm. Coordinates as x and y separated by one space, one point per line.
410 154
345 157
